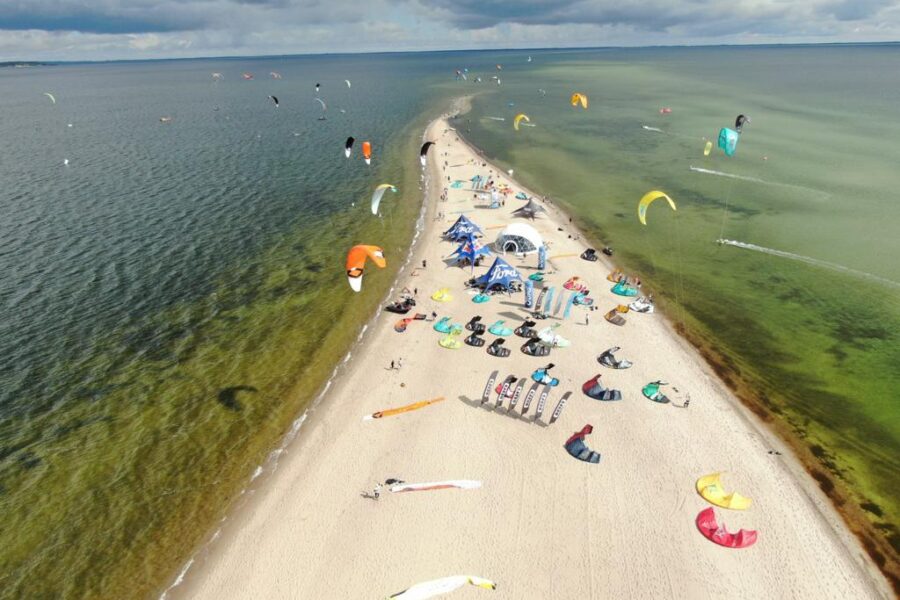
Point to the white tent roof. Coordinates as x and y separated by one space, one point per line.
519 232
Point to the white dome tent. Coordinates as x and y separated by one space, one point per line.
518 238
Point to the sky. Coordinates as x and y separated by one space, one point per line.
144 29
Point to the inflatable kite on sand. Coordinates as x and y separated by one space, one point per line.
711 530
402 409
356 262
458 484
439 587
576 447
710 487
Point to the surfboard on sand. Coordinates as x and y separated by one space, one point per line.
516 394
489 387
529 397
559 407
503 389
542 402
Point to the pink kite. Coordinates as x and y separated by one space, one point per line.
711 530
665 110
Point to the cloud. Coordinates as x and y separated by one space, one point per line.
108 29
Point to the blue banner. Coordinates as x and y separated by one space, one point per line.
542 258
529 293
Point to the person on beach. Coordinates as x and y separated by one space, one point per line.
399 363
376 492
392 365
415 291
424 263
586 319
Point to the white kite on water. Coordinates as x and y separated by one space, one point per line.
439 587
808 260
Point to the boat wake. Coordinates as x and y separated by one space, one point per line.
656 129
810 261
496 118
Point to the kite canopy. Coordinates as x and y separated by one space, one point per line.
711 530
379 192
356 262
576 447
740 121
367 152
519 238
423 152
710 487
51 96
462 229
578 98
648 198
530 209
592 388
520 117
501 274
437 587
348 146
728 139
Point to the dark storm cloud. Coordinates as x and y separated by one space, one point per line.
654 15
130 16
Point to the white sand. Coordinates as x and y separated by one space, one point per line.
544 525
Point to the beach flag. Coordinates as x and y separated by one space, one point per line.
542 258
529 293
549 302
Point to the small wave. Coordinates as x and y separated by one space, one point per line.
496 118
810 261
757 180
656 129
178 580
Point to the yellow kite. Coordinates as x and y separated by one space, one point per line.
520 117
396 411
710 487
578 98
647 199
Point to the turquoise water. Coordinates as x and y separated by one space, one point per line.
814 347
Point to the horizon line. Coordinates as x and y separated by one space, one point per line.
446 51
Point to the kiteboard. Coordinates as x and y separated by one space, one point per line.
489 386
542 402
529 397
540 299
559 407
503 389
516 394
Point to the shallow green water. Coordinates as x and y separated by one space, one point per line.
174 297
821 346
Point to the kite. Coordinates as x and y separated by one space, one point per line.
581 99
711 530
397 411
367 152
348 146
439 587
520 117
739 123
379 192
424 151
648 198
52 98
707 148
356 261
576 447
728 139
710 487
459 484
275 100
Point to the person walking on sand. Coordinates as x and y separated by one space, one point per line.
424 263
392 365
586 319
399 363
376 492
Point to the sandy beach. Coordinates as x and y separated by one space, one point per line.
543 525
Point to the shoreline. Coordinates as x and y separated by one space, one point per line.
207 571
